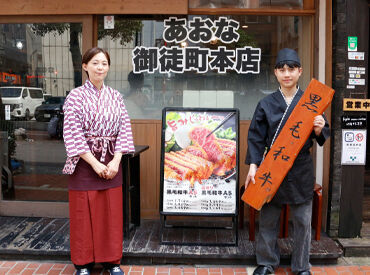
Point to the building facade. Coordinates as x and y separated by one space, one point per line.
41 46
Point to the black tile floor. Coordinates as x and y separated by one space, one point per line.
48 238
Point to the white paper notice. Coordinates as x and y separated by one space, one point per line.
356 81
356 55
353 147
108 22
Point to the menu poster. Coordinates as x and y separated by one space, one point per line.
199 161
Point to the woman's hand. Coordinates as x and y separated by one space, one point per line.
251 174
100 169
318 124
97 166
113 166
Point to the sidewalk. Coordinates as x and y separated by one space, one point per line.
345 266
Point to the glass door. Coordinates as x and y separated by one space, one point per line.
40 62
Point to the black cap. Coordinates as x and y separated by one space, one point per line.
287 55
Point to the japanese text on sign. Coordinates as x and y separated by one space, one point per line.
199 172
355 104
288 144
353 147
176 59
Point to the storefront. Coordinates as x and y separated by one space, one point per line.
41 46
349 182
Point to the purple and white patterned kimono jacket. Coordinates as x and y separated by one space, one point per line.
99 117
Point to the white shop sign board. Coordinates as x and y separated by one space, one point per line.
353 147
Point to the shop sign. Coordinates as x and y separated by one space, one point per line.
108 22
199 161
10 78
354 122
356 55
357 70
356 81
355 77
353 147
356 104
352 43
178 59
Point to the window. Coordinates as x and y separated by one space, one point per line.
42 57
34 93
10 91
146 94
249 4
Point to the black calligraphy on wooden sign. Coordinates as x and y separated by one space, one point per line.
287 145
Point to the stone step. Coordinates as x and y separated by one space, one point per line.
355 247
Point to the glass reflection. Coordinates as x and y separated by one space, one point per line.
246 4
39 64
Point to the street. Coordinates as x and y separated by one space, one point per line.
344 266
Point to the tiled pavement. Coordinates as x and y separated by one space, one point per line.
30 267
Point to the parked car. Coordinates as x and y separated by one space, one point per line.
53 106
46 96
22 100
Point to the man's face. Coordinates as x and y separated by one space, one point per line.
288 77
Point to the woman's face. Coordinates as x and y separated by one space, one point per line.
97 68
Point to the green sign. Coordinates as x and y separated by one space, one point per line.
352 43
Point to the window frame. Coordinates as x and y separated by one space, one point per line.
45 208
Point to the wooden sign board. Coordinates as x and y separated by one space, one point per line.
356 104
290 141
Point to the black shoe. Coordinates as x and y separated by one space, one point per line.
116 271
307 272
263 270
83 271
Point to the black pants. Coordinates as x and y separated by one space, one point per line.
267 249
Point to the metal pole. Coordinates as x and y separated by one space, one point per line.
3 155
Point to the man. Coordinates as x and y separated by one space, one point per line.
297 188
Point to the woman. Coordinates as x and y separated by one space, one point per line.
97 131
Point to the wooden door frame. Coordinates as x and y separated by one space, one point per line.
41 208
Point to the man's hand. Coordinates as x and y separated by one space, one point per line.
318 124
251 174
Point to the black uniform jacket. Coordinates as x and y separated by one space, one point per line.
297 186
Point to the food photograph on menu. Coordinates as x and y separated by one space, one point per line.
199 161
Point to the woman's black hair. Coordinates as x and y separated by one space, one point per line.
290 64
90 53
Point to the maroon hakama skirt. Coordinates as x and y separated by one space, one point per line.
96 226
